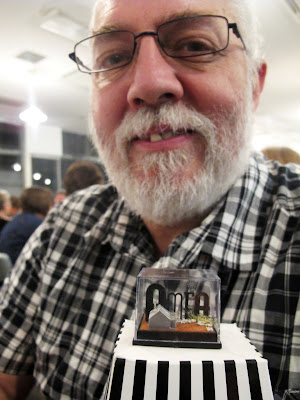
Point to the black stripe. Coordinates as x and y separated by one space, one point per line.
139 380
208 380
117 381
231 381
185 381
254 380
162 380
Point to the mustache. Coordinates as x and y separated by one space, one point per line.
176 117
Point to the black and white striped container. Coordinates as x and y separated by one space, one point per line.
235 372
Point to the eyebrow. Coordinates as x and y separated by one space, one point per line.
185 14
170 17
106 29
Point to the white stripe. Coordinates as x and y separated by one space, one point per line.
173 387
220 381
150 381
197 381
128 380
264 377
243 380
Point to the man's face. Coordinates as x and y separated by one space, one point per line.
142 112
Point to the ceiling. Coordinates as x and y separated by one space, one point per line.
59 90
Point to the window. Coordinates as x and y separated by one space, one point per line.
44 172
11 174
10 137
77 145
47 172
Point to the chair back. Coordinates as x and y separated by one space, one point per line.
5 266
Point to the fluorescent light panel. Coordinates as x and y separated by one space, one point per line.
62 25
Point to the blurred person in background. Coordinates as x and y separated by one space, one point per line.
59 196
15 206
284 155
35 201
5 205
80 175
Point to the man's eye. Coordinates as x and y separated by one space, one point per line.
112 60
198 47
190 46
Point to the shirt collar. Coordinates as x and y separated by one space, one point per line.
121 228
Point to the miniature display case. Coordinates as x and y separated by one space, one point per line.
177 308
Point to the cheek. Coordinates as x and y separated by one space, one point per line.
107 109
221 87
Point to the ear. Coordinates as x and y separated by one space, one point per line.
259 84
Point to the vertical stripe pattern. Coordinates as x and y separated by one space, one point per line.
185 381
206 380
139 380
231 381
117 380
162 380
254 380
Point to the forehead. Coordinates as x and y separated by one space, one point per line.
148 14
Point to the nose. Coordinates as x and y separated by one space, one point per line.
154 80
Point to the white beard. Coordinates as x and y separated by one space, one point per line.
163 198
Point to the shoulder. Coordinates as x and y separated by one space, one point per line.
67 222
87 204
281 182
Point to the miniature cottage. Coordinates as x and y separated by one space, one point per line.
159 318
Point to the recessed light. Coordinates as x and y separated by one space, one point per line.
30 57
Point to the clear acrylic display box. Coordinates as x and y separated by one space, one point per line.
177 308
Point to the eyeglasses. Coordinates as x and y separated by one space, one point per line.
197 38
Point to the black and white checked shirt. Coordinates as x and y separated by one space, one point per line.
74 283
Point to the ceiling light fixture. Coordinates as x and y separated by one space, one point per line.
62 25
33 116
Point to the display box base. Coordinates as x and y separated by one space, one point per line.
237 371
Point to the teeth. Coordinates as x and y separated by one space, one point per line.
155 137
167 135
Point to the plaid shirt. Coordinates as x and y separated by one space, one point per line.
74 284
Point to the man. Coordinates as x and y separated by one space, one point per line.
5 205
36 201
80 175
172 104
60 195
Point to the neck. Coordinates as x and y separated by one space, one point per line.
164 235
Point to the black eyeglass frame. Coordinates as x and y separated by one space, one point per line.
232 26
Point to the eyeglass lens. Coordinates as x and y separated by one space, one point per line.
182 38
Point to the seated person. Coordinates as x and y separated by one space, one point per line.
36 201
5 205
15 206
60 195
284 155
80 175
